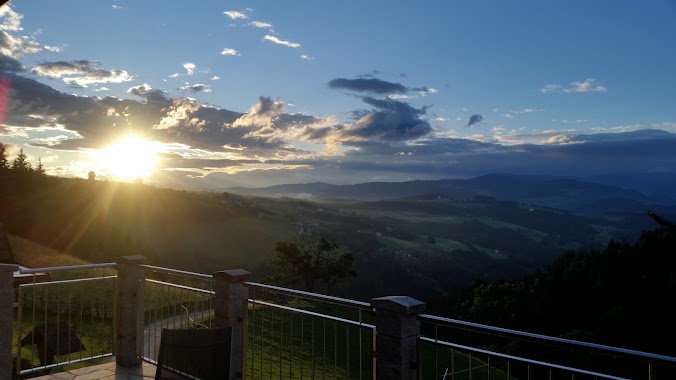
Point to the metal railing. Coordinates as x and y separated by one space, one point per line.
500 353
286 333
65 320
173 299
294 334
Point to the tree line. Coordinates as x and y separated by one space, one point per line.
20 162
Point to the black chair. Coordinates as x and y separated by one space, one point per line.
199 354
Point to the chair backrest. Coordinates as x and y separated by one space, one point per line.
200 354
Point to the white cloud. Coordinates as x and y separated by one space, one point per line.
81 73
306 57
181 110
260 24
425 91
189 67
229 51
49 159
215 77
587 85
508 115
174 75
53 49
399 96
440 119
562 140
11 21
102 89
276 40
234 15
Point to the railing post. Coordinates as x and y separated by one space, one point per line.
6 318
231 309
397 333
129 310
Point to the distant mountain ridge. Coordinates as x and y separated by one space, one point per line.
597 194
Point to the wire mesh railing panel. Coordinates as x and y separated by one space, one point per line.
451 349
65 320
300 338
174 300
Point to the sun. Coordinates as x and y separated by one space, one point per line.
128 158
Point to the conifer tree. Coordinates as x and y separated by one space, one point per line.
20 162
39 169
4 164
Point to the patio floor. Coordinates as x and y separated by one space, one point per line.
107 371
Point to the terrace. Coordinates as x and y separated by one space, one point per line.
105 320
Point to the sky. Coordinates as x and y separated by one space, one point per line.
210 95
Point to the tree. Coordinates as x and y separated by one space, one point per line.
311 259
20 162
91 175
39 169
4 164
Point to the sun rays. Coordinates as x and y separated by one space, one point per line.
128 158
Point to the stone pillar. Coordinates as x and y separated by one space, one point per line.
231 305
397 332
6 318
129 310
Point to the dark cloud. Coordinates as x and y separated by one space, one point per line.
372 85
10 65
462 158
392 120
178 161
150 94
159 117
80 73
197 87
475 119
313 133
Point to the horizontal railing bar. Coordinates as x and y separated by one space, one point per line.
309 295
66 281
312 313
477 326
524 360
149 360
169 284
41 368
177 271
67 267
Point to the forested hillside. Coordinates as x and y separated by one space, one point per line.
622 295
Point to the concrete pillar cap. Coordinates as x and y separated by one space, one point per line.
9 267
134 259
399 304
233 275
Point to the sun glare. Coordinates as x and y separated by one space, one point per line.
127 159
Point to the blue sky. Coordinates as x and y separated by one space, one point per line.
257 93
